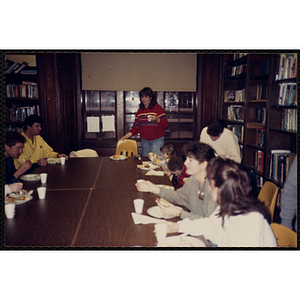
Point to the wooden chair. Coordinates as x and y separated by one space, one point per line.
285 237
127 148
268 195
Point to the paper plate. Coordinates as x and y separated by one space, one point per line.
31 177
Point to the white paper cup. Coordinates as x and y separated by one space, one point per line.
43 177
10 210
62 160
41 192
161 231
138 205
149 118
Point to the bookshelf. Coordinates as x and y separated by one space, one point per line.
282 125
260 106
21 93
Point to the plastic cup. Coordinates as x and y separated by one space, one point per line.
41 192
10 210
138 205
62 160
149 118
161 231
43 177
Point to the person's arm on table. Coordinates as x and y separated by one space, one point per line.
25 166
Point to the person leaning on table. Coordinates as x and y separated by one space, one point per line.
221 139
35 148
240 220
195 194
14 143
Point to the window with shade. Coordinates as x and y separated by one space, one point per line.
99 108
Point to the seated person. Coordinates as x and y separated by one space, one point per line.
167 151
222 140
195 194
240 220
14 143
35 148
178 169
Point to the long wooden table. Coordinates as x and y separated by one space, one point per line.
88 204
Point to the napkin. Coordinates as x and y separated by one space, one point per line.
155 173
141 219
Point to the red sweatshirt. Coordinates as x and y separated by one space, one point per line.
150 130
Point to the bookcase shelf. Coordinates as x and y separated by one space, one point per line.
21 94
269 110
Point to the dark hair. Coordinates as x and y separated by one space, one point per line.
175 163
30 120
200 151
13 137
235 192
169 149
215 127
146 91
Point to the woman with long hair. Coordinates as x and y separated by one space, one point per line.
240 220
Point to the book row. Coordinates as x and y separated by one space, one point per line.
238 130
236 113
288 94
261 92
25 90
260 137
287 66
238 55
260 116
234 96
289 119
280 164
259 161
237 70
19 114
14 67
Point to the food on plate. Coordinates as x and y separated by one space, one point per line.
146 165
9 199
22 197
116 156
53 160
163 202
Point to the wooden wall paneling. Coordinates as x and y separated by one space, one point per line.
208 89
67 72
60 90
49 99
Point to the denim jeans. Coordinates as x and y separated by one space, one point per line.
152 146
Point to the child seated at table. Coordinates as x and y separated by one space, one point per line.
240 220
162 161
177 168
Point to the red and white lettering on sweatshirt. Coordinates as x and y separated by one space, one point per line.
150 130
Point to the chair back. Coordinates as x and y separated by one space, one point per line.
127 147
84 153
285 237
268 195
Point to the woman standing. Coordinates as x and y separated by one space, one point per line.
240 220
150 122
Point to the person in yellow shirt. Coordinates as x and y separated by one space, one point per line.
35 148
